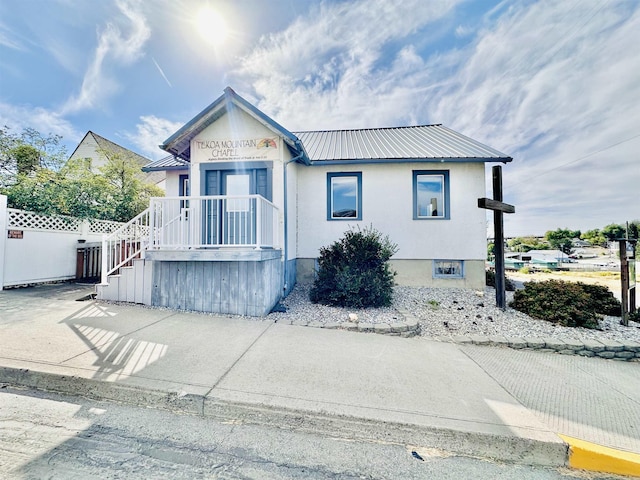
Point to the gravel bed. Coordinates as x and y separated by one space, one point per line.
444 312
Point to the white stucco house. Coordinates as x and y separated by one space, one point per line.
249 204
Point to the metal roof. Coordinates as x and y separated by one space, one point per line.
395 144
111 147
426 142
166 163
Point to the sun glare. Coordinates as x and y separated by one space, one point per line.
211 26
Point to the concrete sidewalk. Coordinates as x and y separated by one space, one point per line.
487 401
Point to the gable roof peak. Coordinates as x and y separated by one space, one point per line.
179 144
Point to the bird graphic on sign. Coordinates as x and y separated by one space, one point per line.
267 143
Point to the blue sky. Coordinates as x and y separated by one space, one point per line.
554 84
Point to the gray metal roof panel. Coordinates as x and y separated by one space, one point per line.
166 163
418 142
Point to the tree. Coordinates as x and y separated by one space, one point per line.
613 232
561 239
115 193
38 192
84 194
594 237
128 194
525 244
491 250
27 158
25 153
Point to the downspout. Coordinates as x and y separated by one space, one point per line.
286 216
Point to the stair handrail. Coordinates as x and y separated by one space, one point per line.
124 244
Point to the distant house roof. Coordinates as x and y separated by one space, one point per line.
152 177
426 142
110 146
166 163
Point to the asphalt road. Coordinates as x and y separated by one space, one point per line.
56 437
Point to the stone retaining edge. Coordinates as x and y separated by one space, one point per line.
408 326
609 349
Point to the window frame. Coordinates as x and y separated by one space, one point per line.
330 177
445 194
448 276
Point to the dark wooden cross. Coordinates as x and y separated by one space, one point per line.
498 208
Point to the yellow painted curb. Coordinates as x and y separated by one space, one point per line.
597 458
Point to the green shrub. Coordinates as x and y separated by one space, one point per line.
525 270
354 271
490 276
602 299
566 303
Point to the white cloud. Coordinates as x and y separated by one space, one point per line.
45 121
551 85
547 82
325 70
114 49
9 39
151 132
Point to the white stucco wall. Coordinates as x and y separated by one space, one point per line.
387 204
172 182
292 206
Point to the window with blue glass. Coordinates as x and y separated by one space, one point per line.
344 196
431 194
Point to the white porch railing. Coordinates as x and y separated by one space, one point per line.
123 245
213 222
181 223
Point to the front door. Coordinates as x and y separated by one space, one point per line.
231 221
237 213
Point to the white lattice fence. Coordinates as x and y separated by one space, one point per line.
103 226
45 248
36 221
21 219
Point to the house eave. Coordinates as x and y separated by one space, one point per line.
165 169
360 161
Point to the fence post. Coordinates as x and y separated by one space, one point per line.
105 260
80 261
4 222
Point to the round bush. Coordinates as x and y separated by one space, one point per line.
354 271
566 303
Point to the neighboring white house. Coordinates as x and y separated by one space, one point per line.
95 148
261 202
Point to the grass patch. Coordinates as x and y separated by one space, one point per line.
608 274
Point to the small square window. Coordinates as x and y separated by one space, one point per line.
430 194
344 196
448 269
